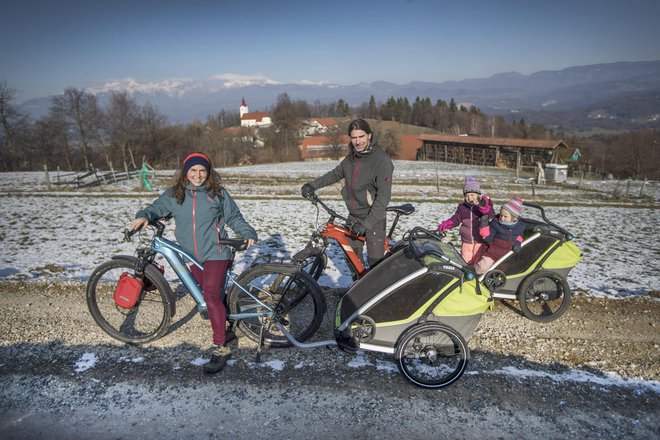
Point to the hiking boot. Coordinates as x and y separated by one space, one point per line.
219 356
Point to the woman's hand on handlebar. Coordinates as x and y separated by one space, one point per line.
134 227
139 223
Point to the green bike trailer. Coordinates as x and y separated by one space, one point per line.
421 305
537 275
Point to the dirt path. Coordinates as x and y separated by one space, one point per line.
593 373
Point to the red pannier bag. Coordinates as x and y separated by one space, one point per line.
128 291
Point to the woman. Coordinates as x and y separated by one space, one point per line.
201 208
367 171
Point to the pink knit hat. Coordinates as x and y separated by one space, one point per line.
514 206
471 186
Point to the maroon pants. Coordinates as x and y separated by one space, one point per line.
212 282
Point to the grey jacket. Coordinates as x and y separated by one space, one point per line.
200 221
368 184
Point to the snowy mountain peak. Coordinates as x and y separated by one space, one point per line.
174 87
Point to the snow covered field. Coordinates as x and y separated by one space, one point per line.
64 233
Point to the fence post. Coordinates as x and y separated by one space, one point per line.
615 193
112 170
97 176
47 176
533 191
581 177
641 189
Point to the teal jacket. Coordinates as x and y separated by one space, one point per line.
200 221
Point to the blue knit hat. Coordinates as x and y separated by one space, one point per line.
471 186
196 159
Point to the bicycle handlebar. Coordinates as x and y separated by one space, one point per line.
159 225
237 244
333 214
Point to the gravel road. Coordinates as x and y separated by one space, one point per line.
591 374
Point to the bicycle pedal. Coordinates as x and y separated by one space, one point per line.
204 314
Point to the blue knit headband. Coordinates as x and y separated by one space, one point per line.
196 159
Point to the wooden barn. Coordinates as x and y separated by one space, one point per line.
486 151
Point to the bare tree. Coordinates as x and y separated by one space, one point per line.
388 142
52 140
334 136
154 132
286 122
82 115
123 124
14 130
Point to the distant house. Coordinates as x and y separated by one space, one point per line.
243 134
317 126
486 151
323 147
253 119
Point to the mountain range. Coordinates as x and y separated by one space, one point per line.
623 95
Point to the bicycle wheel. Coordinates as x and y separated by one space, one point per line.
148 320
313 261
544 296
277 292
432 355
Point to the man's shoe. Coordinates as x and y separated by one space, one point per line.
219 356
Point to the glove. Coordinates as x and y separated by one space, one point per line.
358 229
447 224
484 229
484 203
516 247
307 191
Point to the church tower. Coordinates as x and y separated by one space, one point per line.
244 108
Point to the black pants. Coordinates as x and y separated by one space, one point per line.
375 243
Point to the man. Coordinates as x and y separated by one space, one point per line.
367 171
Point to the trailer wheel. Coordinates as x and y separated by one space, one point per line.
544 296
432 355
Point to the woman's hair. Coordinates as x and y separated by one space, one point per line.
359 124
212 184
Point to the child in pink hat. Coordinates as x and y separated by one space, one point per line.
502 234
468 214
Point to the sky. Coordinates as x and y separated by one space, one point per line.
46 46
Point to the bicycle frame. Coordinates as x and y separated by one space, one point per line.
342 234
174 254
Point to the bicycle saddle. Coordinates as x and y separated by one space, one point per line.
405 209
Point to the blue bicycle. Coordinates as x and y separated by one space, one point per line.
261 297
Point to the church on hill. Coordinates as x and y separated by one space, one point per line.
253 119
